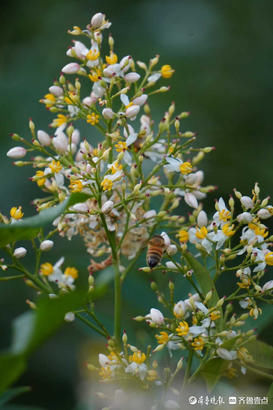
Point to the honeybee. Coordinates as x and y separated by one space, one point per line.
156 248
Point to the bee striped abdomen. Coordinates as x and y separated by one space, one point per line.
156 247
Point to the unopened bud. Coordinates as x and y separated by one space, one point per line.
19 252
107 207
16 152
124 338
69 317
46 245
246 202
142 65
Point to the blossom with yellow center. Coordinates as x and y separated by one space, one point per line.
183 235
55 166
115 167
16 213
95 75
228 230
112 59
244 355
105 373
215 315
137 357
162 338
201 233
71 271
224 215
182 329
39 178
49 100
245 283
231 372
60 120
198 343
46 269
166 71
258 230
185 168
76 185
269 258
112 356
121 146
254 312
92 118
107 184
93 55
71 98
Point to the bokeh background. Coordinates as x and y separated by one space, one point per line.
223 55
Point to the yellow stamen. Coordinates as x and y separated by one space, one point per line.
269 258
183 235
137 357
39 178
121 146
182 329
70 271
201 233
162 338
215 315
55 166
93 55
228 230
76 185
167 71
224 215
185 168
46 269
16 213
60 120
93 118
115 167
107 184
198 343
258 230
112 59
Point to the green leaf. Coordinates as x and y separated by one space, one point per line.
270 393
212 371
18 407
12 366
261 352
28 228
205 283
31 329
11 393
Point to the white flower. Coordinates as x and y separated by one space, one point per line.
155 317
103 360
46 245
71 68
222 216
140 100
19 252
60 142
180 309
247 202
43 138
107 207
244 303
97 20
154 78
132 111
226 354
131 137
16 152
113 70
267 286
137 369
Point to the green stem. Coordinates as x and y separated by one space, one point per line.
117 322
260 372
90 324
188 370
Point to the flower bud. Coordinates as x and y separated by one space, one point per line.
155 317
43 138
16 152
60 143
71 68
107 207
56 90
264 214
142 65
171 250
131 77
202 219
140 100
246 202
190 200
226 354
46 245
69 317
132 111
19 252
244 217
108 113
97 20
267 286
171 265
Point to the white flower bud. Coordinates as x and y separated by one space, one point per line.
131 77
56 90
88 101
171 265
71 68
264 214
155 316
60 143
108 113
111 70
267 286
19 252
166 238
246 202
107 207
226 354
202 219
16 152
75 137
69 317
43 138
97 20
46 245
244 217
81 207
180 309
171 250
149 214
140 100
190 200
132 111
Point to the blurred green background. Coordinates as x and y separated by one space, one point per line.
223 55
